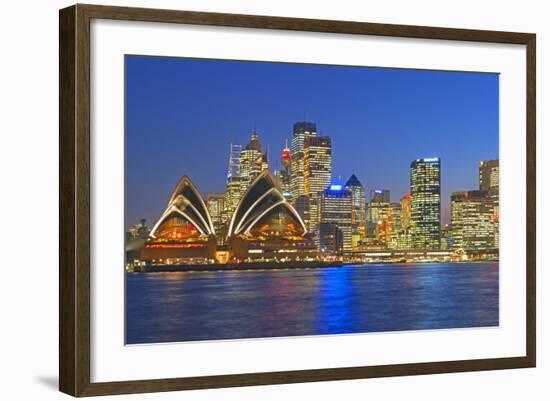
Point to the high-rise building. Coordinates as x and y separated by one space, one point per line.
406 211
251 160
401 232
317 175
359 213
336 207
317 164
425 179
330 239
380 195
301 131
474 220
234 183
283 174
488 175
245 164
215 204
301 204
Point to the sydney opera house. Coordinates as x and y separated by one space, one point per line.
264 227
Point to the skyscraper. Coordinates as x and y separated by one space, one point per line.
336 207
358 206
317 175
215 204
380 195
317 164
488 175
406 211
234 183
251 160
301 131
284 173
425 180
474 220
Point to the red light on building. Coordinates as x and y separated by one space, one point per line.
285 155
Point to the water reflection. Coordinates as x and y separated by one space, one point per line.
166 307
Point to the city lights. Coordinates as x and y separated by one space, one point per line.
300 214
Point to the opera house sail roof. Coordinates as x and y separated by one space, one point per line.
186 215
264 211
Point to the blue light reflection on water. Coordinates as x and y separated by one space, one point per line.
169 307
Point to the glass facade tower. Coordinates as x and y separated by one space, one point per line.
425 180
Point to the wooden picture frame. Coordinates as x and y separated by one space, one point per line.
74 203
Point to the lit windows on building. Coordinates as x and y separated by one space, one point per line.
251 161
284 174
336 207
358 210
216 207
301 131
425 182
330 239
317 164
474 220
488 175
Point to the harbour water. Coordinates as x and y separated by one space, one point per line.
190 306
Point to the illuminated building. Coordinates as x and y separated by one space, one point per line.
301 204
135 240
234 182
330 239
425 180
284 174
488 175
358 210
378 212
317 175
401 234
266 227
184 233
380 195
251 161
216 207
138 231
406 211
336 207
474 220
301 131
317 164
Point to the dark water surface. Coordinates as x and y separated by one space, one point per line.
163 307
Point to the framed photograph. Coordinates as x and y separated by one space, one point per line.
250 200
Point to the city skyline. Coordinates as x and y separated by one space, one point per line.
385 159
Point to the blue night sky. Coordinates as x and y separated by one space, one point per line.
182 114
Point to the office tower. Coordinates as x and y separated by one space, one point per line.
252 161
401 219
330 238
425 180
301 204
317 164
336 207
284 173
317 175
234 183
474 220
359 213
380 195
488 175
301 131
378 205
215 204
406 211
